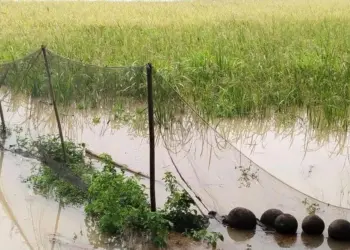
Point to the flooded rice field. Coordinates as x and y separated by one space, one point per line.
278 169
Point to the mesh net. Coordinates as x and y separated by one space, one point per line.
75 84
221 178
105 108
83 93
92 101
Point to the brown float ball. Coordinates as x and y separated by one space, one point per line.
269 216
313 224
339 230
241 218
286 224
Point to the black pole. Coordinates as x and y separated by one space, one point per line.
3 130
151 137
54 103
1 110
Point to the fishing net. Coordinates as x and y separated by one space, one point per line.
74 83
103 110
92 101
86 95
221 177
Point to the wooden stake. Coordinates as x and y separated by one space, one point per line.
54 103
1 110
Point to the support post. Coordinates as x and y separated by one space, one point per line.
3 126
43 48
151 137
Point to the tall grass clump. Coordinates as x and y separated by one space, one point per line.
229 58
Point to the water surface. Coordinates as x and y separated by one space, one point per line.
217 172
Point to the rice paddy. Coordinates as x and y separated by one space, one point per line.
228 58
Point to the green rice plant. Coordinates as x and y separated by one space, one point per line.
226 58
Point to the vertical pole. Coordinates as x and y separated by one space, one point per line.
151 137
54 102
3 127
3 130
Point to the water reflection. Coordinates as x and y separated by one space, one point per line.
240 235
56 225
285 241
180 130
189 134
336 245
98 240
312 241
6 206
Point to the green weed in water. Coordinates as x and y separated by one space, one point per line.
65 183
120 204
117 203
179 208
203 235
44 181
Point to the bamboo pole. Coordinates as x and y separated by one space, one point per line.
43 48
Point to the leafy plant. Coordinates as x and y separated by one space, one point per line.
179 208
120 204
117 203
203 235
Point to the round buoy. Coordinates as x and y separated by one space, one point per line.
269 216
286 224
339 230
313 224
241 218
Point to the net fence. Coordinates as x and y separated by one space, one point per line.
92 101
75 84
104 110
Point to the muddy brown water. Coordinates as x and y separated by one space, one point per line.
218 173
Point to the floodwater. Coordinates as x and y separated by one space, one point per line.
217 172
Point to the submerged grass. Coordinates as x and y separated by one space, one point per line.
65 183
229 58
